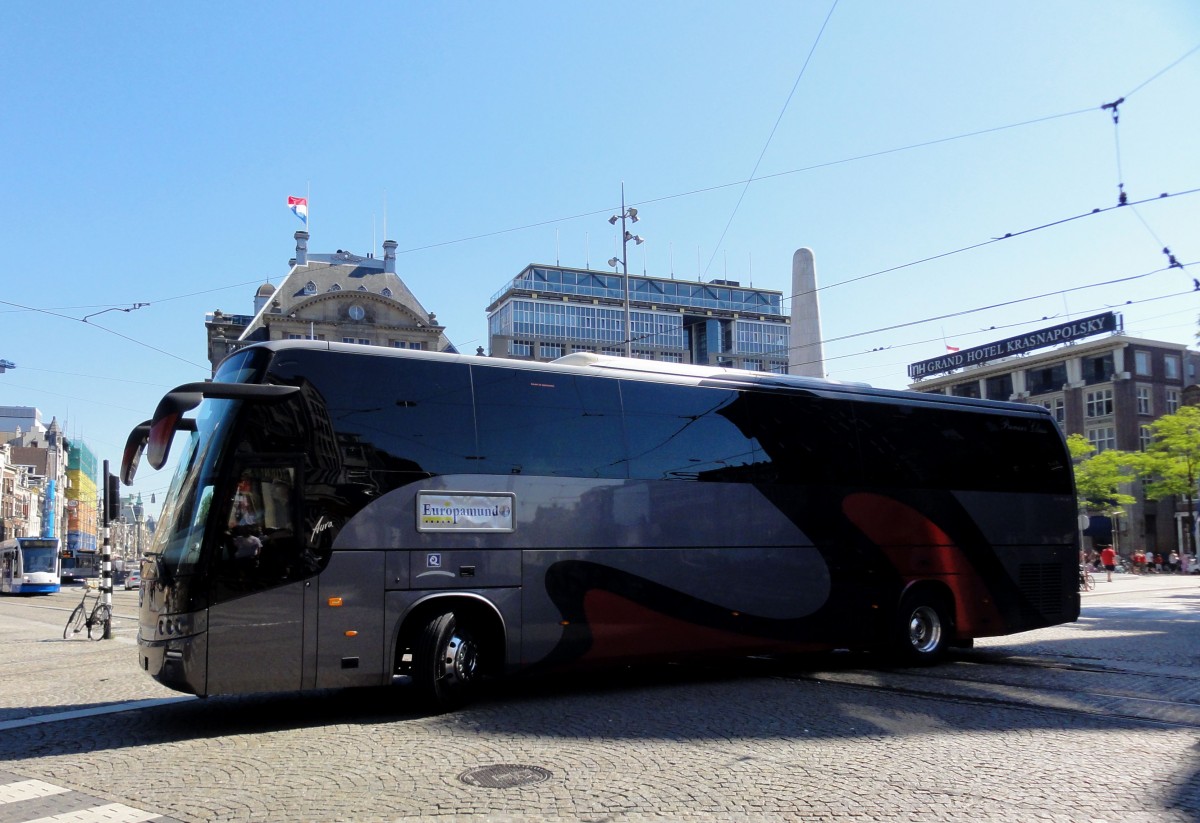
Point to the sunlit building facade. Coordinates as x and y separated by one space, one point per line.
546 312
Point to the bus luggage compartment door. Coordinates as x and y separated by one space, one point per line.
349 620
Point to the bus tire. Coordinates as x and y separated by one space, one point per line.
922 629
446 670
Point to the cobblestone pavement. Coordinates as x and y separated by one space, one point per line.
1094 721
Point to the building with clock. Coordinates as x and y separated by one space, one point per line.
340 297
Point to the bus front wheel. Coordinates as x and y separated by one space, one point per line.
446 668
922 629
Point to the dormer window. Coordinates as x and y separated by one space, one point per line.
386 292
310 287
362 288
335 287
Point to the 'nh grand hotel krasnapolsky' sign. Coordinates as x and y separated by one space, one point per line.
1063 333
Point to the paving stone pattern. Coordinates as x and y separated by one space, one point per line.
1046 726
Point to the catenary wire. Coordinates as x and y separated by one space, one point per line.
990 329
812 50
106 329
981 244
693 192
997 305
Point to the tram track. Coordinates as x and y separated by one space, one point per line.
937 684
120 610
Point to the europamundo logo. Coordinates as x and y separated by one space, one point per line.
447 512
478 512
1063 333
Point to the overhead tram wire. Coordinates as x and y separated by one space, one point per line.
1014 302
770 137
106 329
1161 72
1002 304
716 187
827 164
981 244
940 338
1115 105
1122 195
719 186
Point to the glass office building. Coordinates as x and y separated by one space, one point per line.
547 312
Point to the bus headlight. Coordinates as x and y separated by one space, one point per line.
176 625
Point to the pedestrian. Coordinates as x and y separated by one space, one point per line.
1139 562
1108 559
1173 562
1158 561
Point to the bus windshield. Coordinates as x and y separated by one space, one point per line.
180 533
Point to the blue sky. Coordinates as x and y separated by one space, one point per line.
149 150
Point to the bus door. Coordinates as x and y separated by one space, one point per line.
259 579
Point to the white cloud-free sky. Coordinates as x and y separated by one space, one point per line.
149 149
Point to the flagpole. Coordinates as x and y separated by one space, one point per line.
308 201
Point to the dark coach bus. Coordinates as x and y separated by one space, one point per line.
346 516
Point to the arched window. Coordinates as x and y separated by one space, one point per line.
310 287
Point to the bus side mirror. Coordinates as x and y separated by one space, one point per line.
135 444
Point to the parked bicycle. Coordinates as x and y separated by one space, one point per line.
99 615
1086 582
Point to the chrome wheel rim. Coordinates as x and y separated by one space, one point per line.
924 629
460 660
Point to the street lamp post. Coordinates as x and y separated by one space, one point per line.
632 215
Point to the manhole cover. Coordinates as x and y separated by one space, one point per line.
503 776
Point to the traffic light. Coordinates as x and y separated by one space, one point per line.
112 497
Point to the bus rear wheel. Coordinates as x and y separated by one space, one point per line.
922 629
446 669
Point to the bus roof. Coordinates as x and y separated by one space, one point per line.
712 376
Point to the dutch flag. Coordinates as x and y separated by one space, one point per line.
299 207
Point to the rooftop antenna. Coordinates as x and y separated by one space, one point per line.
587 250
557 250
671 245
643 258
385 234
751 272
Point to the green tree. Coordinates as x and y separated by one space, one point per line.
1098 477
1170 464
